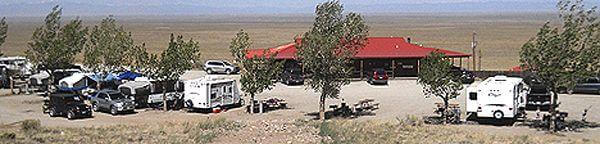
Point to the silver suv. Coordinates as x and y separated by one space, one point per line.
220 66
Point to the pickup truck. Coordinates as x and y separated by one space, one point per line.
112 101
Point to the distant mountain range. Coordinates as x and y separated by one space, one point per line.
91 8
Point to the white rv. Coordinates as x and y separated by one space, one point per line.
498 97
18 64
209 93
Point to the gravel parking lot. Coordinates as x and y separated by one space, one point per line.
400 98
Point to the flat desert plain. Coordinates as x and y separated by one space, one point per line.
500 36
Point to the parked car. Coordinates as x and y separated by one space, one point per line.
377 76
588 85
292 76
220 66
466 77
539 94
112 101
69 105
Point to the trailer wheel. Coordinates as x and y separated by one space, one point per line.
498 115
189 104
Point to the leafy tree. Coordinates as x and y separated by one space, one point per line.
437 80
110 48
54 46
179 57
238 46
559 56
3 31
326 50
258 72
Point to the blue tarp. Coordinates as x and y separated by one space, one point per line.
107 78
73 89
129 75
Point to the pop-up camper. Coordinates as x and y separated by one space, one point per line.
209 93
498 97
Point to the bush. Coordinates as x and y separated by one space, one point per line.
30 125
8 136
206 131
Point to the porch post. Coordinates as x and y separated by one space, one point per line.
361 69
460 62
393 69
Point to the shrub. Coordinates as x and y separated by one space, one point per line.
30 125
8 136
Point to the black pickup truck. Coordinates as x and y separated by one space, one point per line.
539 94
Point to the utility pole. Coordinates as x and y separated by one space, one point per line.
474 46
479 55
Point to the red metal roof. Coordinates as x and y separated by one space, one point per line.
377 47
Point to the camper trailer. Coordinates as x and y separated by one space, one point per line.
209 93
498 97
20 65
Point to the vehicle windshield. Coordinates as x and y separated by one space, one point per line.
296 72
226 63
115 96
72 99
379 71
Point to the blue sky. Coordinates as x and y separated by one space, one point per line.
234 7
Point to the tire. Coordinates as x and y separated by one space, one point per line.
70 115
95 107
113 110
498 115
209 71
52 112
228 71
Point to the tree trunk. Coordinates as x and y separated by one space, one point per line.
322 107
552 111
251 103
164 86
444 111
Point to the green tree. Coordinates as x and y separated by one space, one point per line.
559 56
257 73
179 57
326 50
53 46
110 48
437 80
3 31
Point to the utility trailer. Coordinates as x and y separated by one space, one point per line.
211 93
499 98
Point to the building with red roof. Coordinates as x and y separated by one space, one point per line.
395 54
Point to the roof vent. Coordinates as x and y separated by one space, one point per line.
397 46
500 78
408 40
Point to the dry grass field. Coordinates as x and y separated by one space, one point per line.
500 35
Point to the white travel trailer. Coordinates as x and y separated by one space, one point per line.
18 64
208 93
498 97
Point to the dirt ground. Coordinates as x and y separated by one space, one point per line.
402 97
